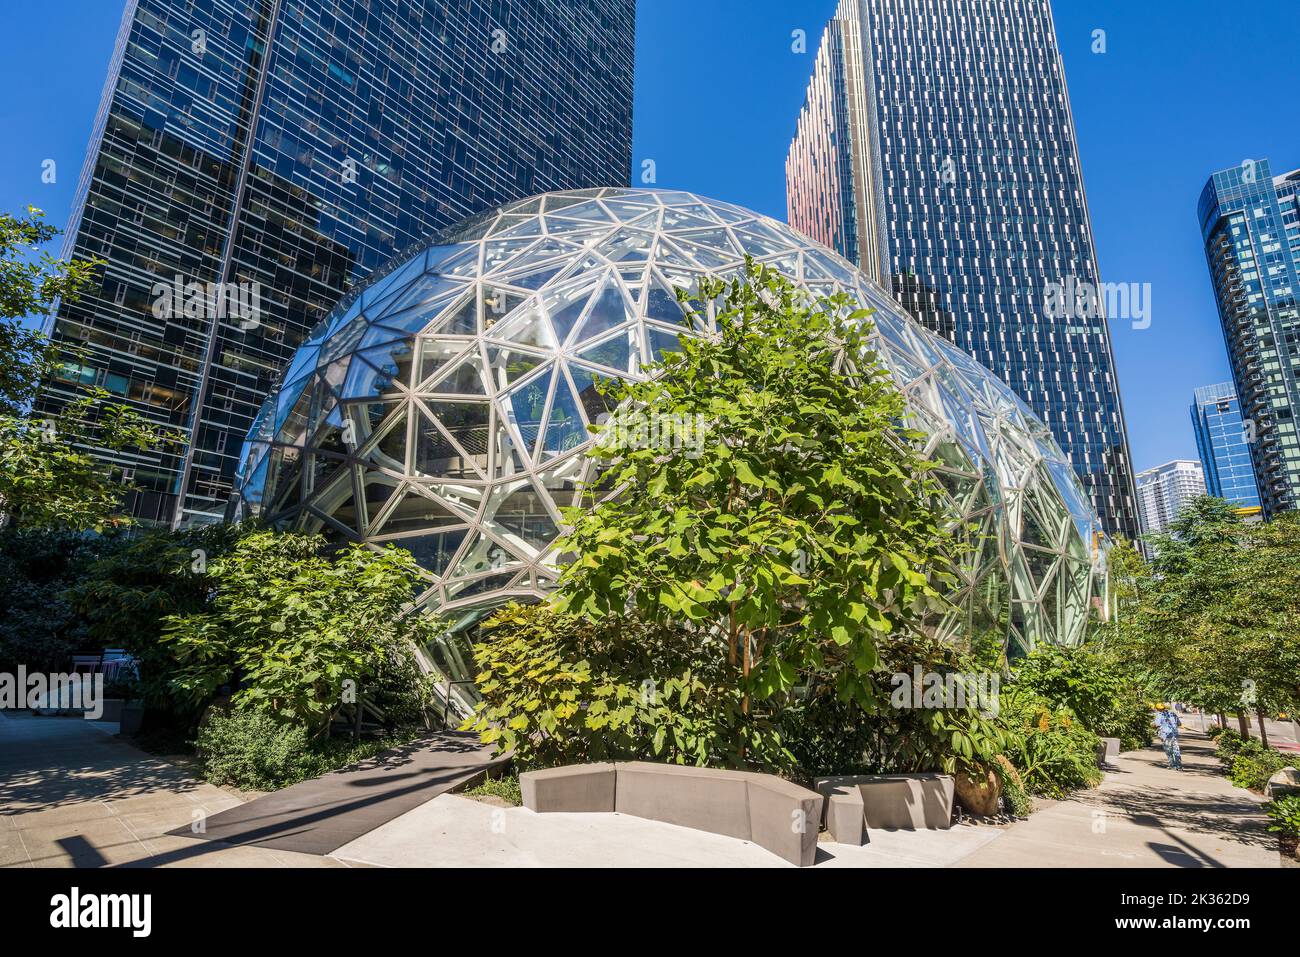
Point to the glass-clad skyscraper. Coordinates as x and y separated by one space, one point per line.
936 149
254 159
1250 222
1223 444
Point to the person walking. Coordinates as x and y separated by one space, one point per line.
1167 725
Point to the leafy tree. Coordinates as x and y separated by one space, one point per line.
291 623
39 627
124 597
1213 618
804 525
47 475
562 689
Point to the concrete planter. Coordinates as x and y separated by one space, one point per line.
1107 752
131 716
1286 781
898 801
762 808
112 710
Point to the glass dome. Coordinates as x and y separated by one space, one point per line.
443 407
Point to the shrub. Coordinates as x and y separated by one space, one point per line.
1227 744
1053 751
1285 812
559 689
1093 689
249 749
1213 731
1252 767
293 625
1014 795
830 735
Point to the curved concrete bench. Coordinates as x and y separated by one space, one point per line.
773 813
888 801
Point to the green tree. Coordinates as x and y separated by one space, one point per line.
293 623
1213 618
47 475
40 628
803 524
124 597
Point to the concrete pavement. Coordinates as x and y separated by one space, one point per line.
1144 815
455 831
73 795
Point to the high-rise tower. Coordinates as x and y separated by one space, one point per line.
253 159
1223 442
1250 221
936 149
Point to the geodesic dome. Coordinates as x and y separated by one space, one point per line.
443 407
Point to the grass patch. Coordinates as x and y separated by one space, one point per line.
505 787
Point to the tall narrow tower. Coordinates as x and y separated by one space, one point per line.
254 159
936 149
1250 221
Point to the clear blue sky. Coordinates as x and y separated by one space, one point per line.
1184 89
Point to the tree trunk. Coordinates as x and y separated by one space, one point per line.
1263 732
1243 722
1223 721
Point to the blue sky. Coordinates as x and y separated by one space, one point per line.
1183 89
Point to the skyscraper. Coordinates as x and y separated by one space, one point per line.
1223 444
253 159
1164 490
937 150
1250 222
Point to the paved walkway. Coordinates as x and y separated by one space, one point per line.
73 795
456 831
321 815
1144 815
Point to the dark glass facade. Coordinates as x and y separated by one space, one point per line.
1223 444
936 148
1251 226
289 147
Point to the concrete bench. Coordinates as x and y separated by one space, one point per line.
846 819
762 808
577 787
894 801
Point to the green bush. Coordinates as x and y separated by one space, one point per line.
1093 689
829 735
560 689
249 749
1252 767
1285 812
1227 743
1054 753
1014 794
1213 731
